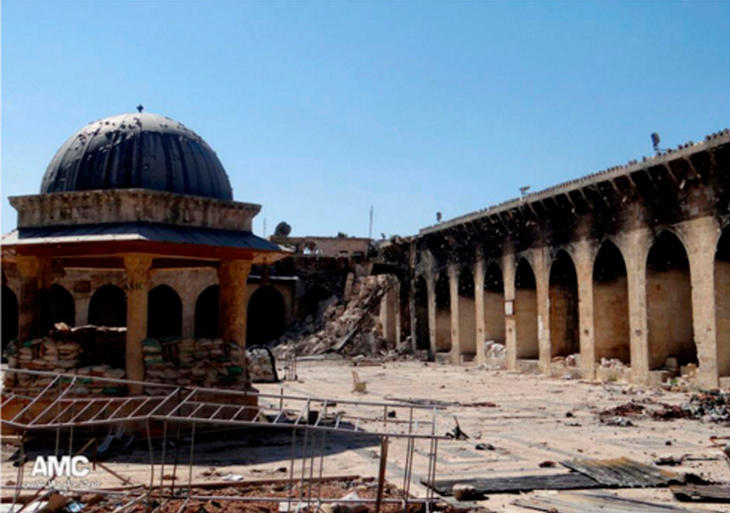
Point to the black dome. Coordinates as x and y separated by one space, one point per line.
137 150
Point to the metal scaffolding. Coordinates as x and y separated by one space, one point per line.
60 407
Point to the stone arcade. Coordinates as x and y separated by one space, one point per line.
629 264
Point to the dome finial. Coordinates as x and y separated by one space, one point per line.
140 108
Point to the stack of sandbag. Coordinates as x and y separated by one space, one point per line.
41 354
204 363
87 384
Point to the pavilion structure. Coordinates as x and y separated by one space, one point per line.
137 193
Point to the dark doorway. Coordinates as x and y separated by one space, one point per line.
420 294
59 307
207 313
10 316
493 304
266 316
443 313
564 332
525 311
108 307
467 313
164 313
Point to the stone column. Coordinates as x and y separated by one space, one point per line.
479 308
584 256
29 268
635 247
510 325
431 306
188 313
138 271
412 317
539 258
232 277
702 235
453 272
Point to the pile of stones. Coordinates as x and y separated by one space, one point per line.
355 324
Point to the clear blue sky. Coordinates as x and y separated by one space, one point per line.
318 110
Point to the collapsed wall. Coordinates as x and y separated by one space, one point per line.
350 326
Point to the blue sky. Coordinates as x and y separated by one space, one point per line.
319 110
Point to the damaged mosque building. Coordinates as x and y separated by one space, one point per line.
623 274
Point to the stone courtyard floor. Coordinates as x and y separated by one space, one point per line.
534 419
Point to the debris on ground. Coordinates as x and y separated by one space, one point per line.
707 406
261 365
466 492
457 433
353 328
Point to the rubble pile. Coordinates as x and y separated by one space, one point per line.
354 327
707 406
612 369
495 355
203 362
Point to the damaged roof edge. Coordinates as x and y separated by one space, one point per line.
683 150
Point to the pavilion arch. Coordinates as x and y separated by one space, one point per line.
58 306
563 290
9 316
207 308
420 296
108 306
443 313
494 304
467 312
525 311
611 305
164 312
722 303
266 318
669 302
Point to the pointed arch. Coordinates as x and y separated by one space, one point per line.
611 304
669 302
207 308
164 312
563 290
108 306
525 311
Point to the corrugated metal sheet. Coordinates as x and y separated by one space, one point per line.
623 473
137 232
611 473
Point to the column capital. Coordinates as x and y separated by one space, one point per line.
137 267
234 270
28 266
